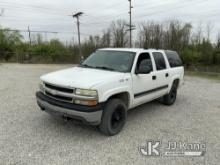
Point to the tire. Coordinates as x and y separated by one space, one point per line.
113 117
170 98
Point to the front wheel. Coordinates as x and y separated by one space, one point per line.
114 117
170 98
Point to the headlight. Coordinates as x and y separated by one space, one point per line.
41 86
86 92
86 97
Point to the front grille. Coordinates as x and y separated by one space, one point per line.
61 98
59 93
61 89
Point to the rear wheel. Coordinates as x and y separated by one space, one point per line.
170 98
114 117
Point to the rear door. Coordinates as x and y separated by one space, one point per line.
162 74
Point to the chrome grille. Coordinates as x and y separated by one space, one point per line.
59 93
61 89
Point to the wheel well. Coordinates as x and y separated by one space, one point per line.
124 96
176 81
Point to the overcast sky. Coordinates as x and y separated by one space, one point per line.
53 15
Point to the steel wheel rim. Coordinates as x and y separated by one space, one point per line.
117 118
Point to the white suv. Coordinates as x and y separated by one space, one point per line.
108 83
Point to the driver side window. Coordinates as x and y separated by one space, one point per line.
144 63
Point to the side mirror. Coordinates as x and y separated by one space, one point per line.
81 60
143 68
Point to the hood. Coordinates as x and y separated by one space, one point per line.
78 77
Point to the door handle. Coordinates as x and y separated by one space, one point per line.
167 75
154 77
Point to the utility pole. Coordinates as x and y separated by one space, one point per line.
2 12
30 42
77 15
131 27
29 34
130 7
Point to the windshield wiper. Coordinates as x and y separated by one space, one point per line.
85 66
105 68
97 67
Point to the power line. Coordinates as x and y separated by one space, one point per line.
172 8
156 6
55 11
104 17
44 31
191 17
25 9
110 17
113 6
44 19
27 31
23 5
31 7
100 18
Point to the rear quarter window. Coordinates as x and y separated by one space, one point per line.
174 59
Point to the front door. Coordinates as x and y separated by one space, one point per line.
143 83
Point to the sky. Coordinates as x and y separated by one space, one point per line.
54 15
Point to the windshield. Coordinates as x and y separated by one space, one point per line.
119 61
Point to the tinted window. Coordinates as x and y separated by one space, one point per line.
173 59
120 61
159 60
144 60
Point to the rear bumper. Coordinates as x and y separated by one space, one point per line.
85 114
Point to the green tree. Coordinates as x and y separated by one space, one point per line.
9 42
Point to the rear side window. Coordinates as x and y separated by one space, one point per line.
173 59
159 60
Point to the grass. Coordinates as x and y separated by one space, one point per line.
207 75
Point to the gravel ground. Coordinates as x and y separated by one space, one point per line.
29 136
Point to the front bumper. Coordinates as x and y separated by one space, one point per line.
85 114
